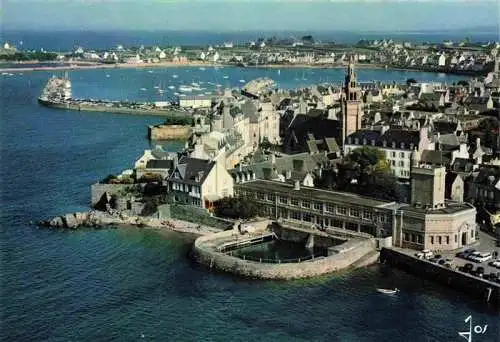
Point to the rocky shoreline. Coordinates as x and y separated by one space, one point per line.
113 219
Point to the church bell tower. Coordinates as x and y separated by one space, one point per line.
351 103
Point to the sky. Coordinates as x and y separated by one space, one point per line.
249 15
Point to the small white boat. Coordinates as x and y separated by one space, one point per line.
194 84
388 291
202 68
156 87
242 81
107 76
175 76
150 71
176 94
171 87
143 89
226 77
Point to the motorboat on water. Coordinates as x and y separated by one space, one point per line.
388 291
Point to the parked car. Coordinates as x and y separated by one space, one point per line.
427 253
464 254
484 257
474 256
441 261
495 263
468 267
479 272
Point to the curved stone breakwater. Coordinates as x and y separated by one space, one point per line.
113 219
207 251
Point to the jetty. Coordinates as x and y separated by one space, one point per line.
57 93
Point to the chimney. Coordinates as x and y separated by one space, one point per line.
478 142
296 185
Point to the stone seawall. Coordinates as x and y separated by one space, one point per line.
205 254
169 132
475 287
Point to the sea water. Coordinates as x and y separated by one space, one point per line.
139 285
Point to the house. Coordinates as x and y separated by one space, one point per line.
479 104
195 101
484 186
399 145
200 182
302 167
298 132
442 60
454 187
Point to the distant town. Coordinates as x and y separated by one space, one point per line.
408 174
464 57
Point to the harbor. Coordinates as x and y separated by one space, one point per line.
57 93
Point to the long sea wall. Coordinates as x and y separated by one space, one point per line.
475 287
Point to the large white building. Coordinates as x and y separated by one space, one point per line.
398 145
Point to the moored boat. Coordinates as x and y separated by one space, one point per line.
388 291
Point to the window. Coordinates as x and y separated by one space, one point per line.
306 204
420 239
447 240
401 154
401 163
283 200
413 238
406 237
271 197
439 240
393 162
306 217
354 212
294 215
393 154
260 195
432 240
341 210
367 214
456 238
318 205
294 201
330 208
403 146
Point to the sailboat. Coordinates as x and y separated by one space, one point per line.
279 71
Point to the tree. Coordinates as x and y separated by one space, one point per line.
235 208
366 171
265 144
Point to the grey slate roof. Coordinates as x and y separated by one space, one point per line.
190 168
436 157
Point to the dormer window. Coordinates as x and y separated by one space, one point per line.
393 144
364 141
356 141
384 143
349 140
412 146
402 145
373 142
